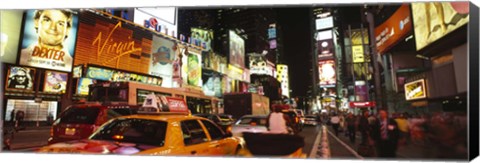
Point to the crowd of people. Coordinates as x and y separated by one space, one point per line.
445 133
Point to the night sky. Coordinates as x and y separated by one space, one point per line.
296 36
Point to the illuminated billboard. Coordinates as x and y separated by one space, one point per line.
202 38
49 38
324 23
82 87
237 50
160 19
55 82
415 90
326 72
161 59
433 20
20 78
10 25
325 49
394 29
194 69
282 77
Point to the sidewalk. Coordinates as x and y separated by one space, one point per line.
30 137
408 151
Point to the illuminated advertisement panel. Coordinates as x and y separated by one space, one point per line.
212 83
202 38
326 70
55 82
433 20
357 54
20 78
82 87
237 50
159 19
394 29
324 23
112 43
49 38
10 25
325 49
415 90
194 69
162 58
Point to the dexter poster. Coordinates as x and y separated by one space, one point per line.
49 39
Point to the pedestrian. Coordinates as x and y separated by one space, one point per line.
351 123
335 121
364 127
403 127
277 122
386 135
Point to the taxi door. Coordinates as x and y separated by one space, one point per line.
195 139
218 143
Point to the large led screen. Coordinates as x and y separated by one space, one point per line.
326 72
49 38
433 20
202 38
237 50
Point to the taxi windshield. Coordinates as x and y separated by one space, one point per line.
138 131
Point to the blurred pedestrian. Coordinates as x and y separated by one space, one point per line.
351 123
364 127
335 121
403 127
277 122
386 134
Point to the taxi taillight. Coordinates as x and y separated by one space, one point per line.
229 129
118 137
253 124
296 119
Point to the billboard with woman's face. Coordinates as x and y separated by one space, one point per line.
237 50
20 78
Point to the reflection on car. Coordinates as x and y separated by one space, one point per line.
250 123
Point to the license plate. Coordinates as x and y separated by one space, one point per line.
69 131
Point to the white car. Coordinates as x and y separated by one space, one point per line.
311 120
250 123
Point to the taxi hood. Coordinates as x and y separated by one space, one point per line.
87 146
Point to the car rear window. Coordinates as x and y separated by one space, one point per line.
80 115
130 130
257 120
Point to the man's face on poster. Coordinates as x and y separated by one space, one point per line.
52 27
21 77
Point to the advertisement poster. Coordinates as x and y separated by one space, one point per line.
361 91
433 20
326 70
77 71
21 78
273 44
394 29
325 49
212 83
83 83
11 25
324 23
415 90
113 43
357 54
163 55
55 82
272 33
99 73
49 38
159 19
194 69
202 38
237 50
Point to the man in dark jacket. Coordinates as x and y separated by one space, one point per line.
364 127
386 135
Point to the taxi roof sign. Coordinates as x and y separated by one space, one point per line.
163 104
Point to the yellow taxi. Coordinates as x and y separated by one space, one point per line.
167 128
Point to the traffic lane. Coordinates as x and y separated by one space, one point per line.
28 139
339 149
309 133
